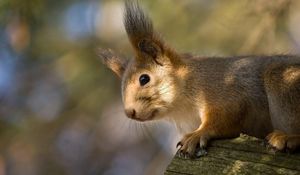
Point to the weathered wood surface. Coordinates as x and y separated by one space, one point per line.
243 155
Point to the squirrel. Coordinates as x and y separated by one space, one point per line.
207 97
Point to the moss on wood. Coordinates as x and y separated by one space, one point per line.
242 155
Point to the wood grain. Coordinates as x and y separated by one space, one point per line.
242 155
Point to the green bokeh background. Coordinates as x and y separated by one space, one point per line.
55 93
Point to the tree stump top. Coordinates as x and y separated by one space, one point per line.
242 155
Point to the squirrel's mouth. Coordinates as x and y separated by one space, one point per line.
151 115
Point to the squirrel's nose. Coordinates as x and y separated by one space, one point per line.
130 113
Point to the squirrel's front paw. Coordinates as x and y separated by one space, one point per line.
192 145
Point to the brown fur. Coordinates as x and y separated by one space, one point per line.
209 98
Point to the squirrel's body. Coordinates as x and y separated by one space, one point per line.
238 86
208 97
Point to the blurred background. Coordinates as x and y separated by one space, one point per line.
60 108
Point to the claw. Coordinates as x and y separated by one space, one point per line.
270 148
181 154
265 143
186 156
179 144
201 152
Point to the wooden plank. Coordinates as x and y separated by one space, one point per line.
242 155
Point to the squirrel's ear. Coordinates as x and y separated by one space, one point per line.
150 48
140 31
112 61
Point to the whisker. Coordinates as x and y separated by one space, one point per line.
121 127
131 128
149 134
144 135
136 129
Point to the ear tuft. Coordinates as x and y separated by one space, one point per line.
146 42
137 24
140 30
112 61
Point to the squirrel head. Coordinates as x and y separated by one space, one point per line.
151 80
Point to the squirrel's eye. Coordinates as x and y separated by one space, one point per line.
144 79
